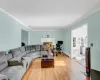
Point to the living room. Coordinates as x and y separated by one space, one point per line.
51 25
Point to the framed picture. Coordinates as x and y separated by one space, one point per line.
74 41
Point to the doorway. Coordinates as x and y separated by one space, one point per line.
24 37
79 44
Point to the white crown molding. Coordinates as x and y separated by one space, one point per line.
2 10
34 29
83 17
47 30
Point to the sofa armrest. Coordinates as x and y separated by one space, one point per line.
27 60
3 77
25 64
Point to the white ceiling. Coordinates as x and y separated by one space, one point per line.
48 14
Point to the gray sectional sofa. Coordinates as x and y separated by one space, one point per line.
14 64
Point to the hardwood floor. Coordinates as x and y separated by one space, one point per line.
65 69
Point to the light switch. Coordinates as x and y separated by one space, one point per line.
91 44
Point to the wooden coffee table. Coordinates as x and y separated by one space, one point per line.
47 63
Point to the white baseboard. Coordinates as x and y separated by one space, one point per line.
68 54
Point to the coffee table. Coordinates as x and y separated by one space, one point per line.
47 63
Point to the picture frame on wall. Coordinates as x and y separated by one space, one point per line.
74 41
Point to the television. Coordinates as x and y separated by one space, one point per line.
60 42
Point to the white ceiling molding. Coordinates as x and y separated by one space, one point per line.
2 10
47 30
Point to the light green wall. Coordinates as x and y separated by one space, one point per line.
67 42
35 36
10 32
93 22
24 36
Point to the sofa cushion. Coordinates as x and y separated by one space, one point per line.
14 72
33 55
20 61
22 49
3 77
15 63
21 54
15 52
43 53
38 48
9 56
27 49
33 48
16 59
3 57
43 47
3 61
3 65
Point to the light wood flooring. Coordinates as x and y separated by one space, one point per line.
65 69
